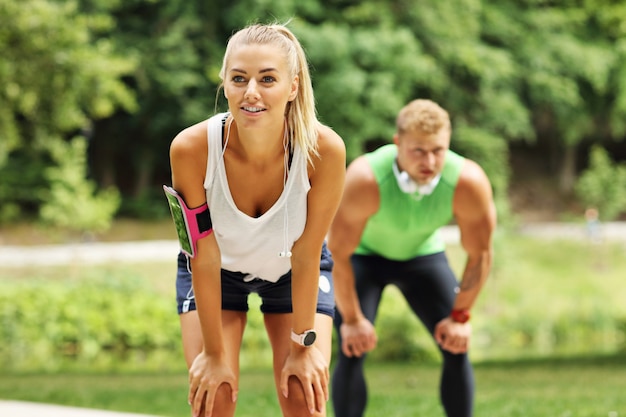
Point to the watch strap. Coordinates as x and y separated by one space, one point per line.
306 338
460 315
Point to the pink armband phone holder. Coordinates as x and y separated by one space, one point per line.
191 224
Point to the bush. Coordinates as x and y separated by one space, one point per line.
603 185
44 323
72 201
402 337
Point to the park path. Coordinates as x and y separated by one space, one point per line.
162 250
88 252
27 409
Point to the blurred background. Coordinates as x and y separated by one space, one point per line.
93 91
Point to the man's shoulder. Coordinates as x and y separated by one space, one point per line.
472 172
380 160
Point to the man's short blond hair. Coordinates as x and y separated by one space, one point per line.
423 116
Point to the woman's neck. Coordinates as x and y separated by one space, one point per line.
258 145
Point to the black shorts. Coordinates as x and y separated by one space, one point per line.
275 296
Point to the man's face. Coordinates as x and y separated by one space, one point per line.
422 155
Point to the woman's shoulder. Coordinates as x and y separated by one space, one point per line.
329 141
190 141
331 153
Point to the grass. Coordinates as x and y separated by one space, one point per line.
576 387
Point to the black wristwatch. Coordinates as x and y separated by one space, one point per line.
306 339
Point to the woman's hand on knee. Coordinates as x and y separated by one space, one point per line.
206 375
309 366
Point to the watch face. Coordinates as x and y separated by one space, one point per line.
309 338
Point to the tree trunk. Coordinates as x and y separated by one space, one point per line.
567 176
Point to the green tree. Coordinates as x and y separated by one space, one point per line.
603 185
55 81
571 72
175 44
71 202
549 74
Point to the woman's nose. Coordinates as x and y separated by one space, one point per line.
252 92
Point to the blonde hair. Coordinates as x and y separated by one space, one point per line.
300 113
423 116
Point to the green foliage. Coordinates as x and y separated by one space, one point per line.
569 74
533 302
177 47
256 351
56 79
22 178
56 89
402 336
45 321
148 205
72 201
491 153
603 185
131 74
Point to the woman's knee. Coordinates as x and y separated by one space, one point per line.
296 405
223 404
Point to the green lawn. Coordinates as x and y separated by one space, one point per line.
584 387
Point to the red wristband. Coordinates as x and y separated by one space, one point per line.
460 316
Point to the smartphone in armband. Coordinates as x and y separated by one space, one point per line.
191 224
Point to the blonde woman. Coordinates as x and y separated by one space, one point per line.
271 176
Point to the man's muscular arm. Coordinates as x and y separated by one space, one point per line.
475 214
476 217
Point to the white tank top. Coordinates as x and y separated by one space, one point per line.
252 245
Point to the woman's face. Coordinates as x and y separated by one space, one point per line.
258 85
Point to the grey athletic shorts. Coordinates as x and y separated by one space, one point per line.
275 296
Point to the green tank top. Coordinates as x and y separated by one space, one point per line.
404 227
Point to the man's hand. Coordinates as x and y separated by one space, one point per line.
358 338
452 336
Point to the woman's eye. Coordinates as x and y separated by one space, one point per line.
268 79
238 79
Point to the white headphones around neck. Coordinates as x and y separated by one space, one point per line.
408 186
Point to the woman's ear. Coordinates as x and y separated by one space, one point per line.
294 88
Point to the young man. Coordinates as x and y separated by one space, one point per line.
386 232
